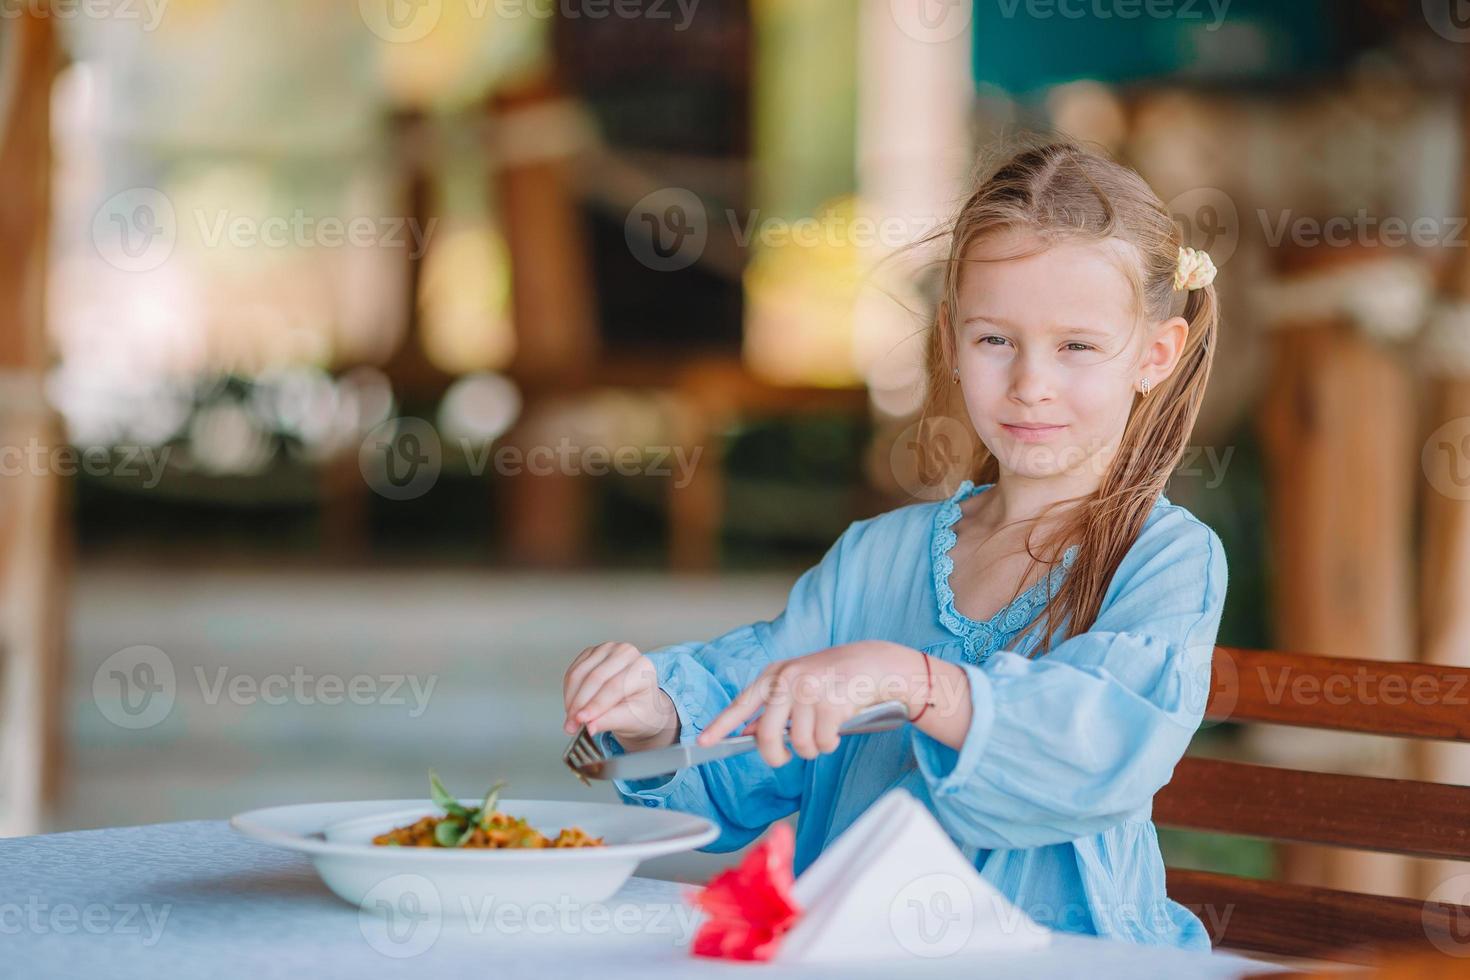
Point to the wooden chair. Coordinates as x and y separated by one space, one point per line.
1400 816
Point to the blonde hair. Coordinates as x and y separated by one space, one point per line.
1060 191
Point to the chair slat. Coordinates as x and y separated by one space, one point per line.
1398 816
1302 920
1412 700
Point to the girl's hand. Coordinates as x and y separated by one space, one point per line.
816 694
613 687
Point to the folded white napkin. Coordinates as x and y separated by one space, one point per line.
894 886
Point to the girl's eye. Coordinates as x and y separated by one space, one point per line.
1079 346
988 338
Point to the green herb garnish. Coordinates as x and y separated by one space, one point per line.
456 829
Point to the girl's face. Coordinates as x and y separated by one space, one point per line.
1048 357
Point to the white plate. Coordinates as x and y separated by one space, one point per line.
455 882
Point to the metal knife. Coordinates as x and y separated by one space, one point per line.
881 717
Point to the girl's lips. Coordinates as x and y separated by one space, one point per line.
1025 434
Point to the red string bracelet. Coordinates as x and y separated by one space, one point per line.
928 689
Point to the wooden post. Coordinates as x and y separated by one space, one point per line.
1444 615
556 333
1337 424
32 497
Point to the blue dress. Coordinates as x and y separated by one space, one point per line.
1051 793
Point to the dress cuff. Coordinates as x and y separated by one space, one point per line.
656 790
653 791
946 769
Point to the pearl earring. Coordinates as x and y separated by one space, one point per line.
1143 386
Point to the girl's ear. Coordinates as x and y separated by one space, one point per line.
1165 349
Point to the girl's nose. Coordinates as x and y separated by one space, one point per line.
1030 382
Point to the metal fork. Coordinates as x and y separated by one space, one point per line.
584 757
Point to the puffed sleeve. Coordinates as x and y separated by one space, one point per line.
1080 739
742 794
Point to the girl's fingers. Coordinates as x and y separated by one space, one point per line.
770 731
583 663
746 703
606 685
622 717
801 730
828 719
593 671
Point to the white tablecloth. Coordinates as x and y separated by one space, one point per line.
196 900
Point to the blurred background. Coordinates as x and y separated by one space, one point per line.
361 363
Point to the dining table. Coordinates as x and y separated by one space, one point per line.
195 899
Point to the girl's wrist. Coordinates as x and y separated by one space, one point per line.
921 695
906 675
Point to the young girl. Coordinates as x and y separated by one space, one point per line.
1050 625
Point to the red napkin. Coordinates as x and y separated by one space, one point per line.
750 906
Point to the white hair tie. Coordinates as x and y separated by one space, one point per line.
1195 269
